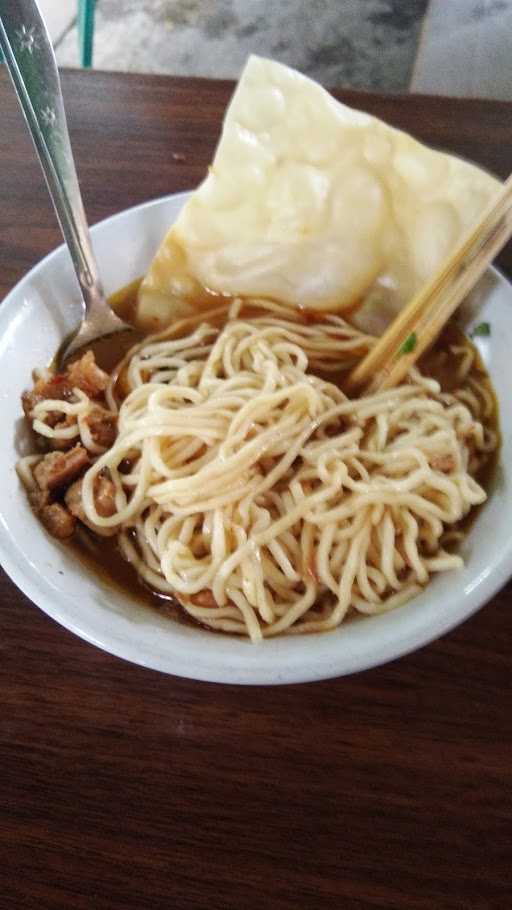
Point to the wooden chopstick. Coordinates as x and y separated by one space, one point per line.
418 325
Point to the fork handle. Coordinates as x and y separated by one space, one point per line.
30 59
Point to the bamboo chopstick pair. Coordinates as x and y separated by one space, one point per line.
421 321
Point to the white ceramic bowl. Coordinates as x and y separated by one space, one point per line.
34 318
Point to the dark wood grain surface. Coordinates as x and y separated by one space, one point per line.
125 789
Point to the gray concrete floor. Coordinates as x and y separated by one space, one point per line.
59 15
452 47
362 43
466 49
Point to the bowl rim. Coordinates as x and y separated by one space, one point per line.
236 671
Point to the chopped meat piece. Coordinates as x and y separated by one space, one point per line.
73 499
57 520
444 463
29 401
204 599
58 469
86 375
57 387
55 517
103 426
38 498
62 444
104 497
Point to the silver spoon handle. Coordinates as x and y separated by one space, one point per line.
31 62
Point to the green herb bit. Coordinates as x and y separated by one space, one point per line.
409 344
482 330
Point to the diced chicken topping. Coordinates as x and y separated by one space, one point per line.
57 520
103 426
87 376
57 387
104 498
58 469
38 498
62 444
56 495
73 500
84 374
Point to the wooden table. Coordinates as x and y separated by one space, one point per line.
124 788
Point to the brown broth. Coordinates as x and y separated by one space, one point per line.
124 302
430 364
102 556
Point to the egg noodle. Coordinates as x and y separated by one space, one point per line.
252 489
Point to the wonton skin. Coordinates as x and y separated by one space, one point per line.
312 203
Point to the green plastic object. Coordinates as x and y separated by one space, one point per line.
86 10
86 31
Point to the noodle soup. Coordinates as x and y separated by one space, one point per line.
244 491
